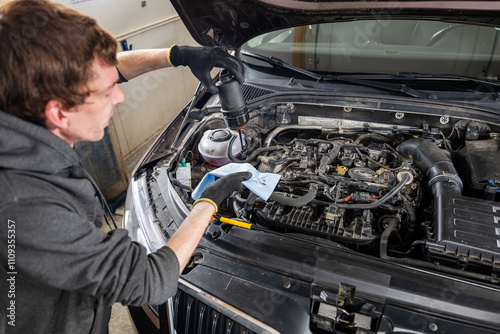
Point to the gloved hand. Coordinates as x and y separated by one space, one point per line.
223 188
201 60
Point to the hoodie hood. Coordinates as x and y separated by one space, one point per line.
30 147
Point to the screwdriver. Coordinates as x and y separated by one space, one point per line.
238 223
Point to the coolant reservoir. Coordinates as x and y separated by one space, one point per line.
214 143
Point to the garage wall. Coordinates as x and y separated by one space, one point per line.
152 100
122 16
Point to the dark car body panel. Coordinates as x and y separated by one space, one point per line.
279 278
231 23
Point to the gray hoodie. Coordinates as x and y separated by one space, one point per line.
59 272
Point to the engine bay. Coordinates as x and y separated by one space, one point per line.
411 193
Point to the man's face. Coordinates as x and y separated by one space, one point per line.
87 121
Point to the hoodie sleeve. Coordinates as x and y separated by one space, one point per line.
59 248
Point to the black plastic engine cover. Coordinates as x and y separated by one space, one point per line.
466 233
475 162
302 220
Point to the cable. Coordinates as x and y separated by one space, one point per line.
379 202
252 156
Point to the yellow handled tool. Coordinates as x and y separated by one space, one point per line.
238 223
235 222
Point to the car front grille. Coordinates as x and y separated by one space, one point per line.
192 316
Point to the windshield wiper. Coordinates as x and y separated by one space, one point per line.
490 83
276 62
393 87
400 88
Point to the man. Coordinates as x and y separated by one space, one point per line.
58 86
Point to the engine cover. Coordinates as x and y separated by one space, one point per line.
475 161
466 232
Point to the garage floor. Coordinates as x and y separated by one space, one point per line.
120 322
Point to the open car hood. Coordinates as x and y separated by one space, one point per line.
230 23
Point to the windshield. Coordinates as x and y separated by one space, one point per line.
385 47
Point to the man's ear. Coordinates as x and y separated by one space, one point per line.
55 115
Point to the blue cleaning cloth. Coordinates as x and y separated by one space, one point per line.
262 184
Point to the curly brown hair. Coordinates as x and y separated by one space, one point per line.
47 52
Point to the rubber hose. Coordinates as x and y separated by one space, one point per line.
296 201
250 202
252 156
432 161
384 239
372 136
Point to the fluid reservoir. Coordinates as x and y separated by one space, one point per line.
214 143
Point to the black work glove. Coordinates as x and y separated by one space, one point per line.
201 60
223 188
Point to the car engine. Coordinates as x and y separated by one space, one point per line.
412 193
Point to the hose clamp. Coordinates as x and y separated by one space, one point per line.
454 178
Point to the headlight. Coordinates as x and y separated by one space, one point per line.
139 219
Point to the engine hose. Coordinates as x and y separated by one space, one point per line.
277 130
376 162
412 224
236 208
240 199
388 208
284 160
434 163
179 184
384 240
296 201
252 156
380 201
251 199
372 136
254 146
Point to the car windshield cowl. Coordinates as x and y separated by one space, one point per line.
489 82
418 85
475 88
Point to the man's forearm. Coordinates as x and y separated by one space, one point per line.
186 238
134 63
